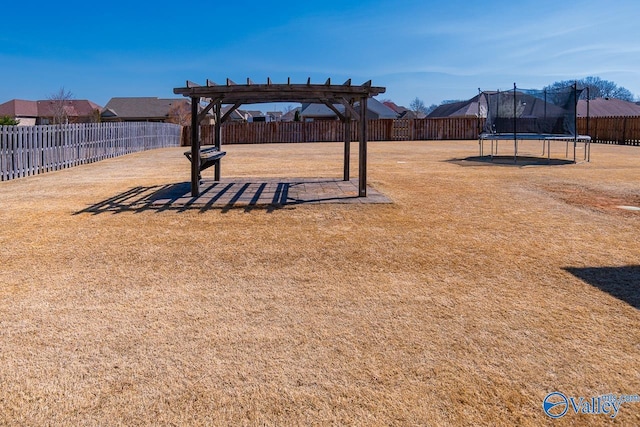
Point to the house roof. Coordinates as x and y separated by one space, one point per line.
467 108
139 107
608 107
408 114
477 106
290 115
73 108
322 111
19 108
380 109
44 108
236 114
395 107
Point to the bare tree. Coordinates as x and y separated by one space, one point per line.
180 113
598 88
417 106
58 103
95 116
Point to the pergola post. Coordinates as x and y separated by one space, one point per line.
347 145
218 137
195 148
362 190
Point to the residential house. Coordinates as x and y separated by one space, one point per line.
608 107
236 115
290 116
256 116
24 111
375 110
146 109
473 107
529 106
274 116
404 112
46 112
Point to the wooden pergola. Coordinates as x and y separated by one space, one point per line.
238 94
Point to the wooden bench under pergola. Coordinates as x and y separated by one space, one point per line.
238 94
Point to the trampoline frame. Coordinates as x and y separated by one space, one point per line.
545 138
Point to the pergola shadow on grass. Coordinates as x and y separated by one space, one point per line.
620 282
267 194
236 95
159 198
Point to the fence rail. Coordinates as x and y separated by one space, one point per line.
30 150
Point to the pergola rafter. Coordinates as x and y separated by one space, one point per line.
251 93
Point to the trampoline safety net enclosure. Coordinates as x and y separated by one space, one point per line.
531 114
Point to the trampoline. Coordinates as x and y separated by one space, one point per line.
533 115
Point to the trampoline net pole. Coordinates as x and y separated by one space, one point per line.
515 125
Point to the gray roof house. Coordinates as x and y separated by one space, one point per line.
608 107
255 116
290 115
477 107
139 109
375 110
469 108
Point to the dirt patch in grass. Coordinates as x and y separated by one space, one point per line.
477 292
609 201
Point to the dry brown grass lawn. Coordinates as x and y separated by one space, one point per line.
477 292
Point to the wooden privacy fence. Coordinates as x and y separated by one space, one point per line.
611 130
30 150
607 130
333 131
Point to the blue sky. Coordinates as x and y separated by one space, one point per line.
433 50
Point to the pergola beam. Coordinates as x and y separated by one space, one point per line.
230 111
329 105
232 92
205 111
349 107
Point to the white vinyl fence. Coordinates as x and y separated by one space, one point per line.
30 150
